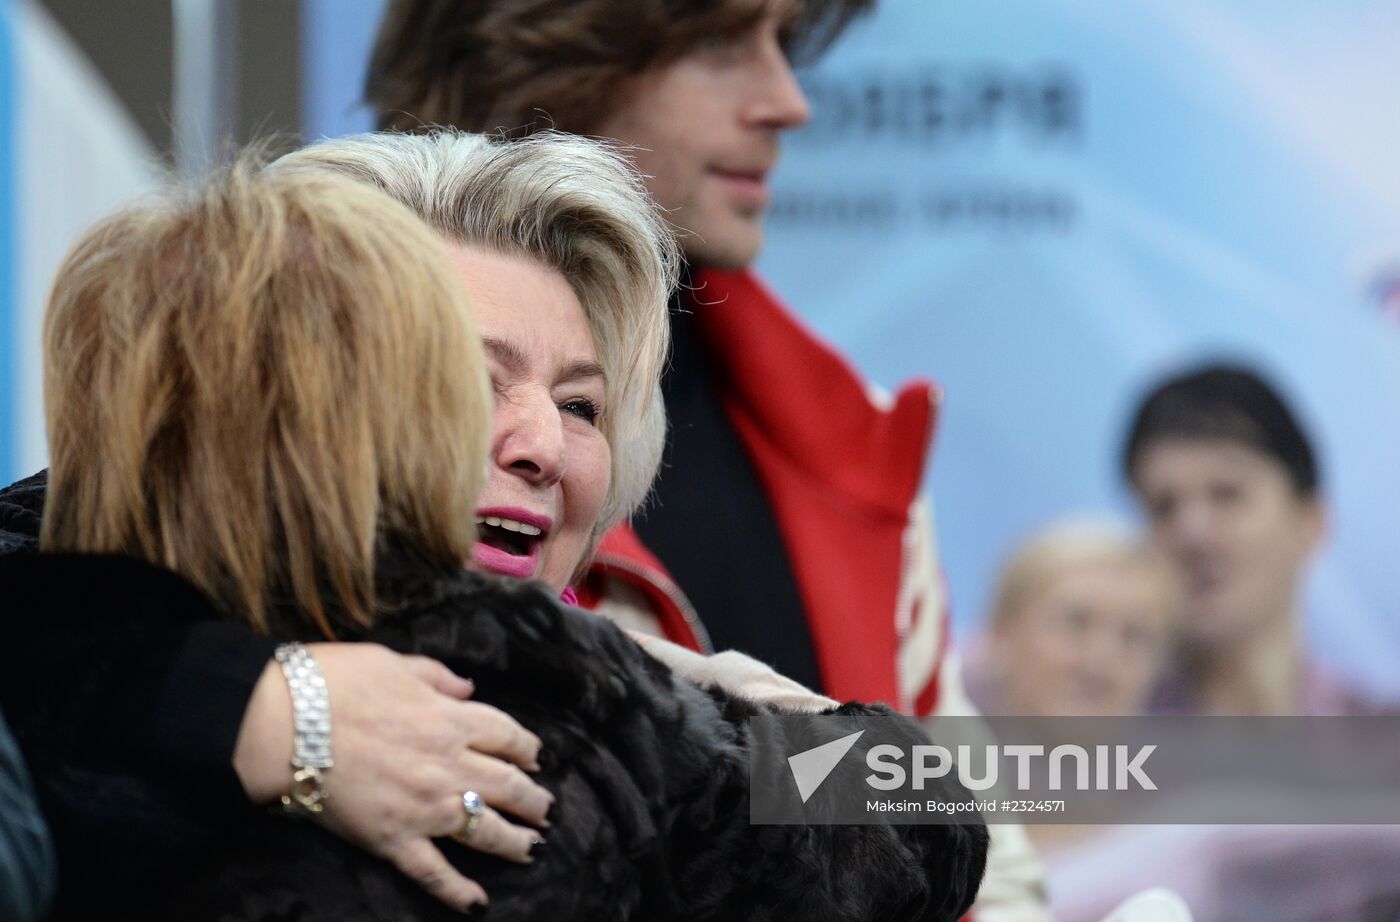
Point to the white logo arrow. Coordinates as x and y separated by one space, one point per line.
810 767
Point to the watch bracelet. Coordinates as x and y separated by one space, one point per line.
311 712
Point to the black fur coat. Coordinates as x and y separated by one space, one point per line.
651 776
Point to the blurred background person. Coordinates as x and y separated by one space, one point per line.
1229 482
1083 621
1084 618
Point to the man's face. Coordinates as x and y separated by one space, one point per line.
1235 527
708 125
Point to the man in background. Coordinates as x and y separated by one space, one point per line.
1230 486
788 511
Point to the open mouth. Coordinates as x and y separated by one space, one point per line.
512 537
509 542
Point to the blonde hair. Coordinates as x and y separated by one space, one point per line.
250 381
1077 543
573 205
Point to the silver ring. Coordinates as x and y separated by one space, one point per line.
476 809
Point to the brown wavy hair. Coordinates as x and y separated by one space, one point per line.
522 65
251 381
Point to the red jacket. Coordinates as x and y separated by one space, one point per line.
842 469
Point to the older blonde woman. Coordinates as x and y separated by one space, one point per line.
548 232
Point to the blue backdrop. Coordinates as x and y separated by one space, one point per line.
336 40
1045 204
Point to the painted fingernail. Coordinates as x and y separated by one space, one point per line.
477 911
537 845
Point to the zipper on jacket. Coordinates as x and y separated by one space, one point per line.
673 594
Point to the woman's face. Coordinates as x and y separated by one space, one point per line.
550 464
1089 642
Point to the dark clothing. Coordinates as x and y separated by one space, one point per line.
26 855
123 687
711 524
651 774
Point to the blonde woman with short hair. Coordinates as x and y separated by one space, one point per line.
1083 620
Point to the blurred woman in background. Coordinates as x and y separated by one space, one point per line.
1082 626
